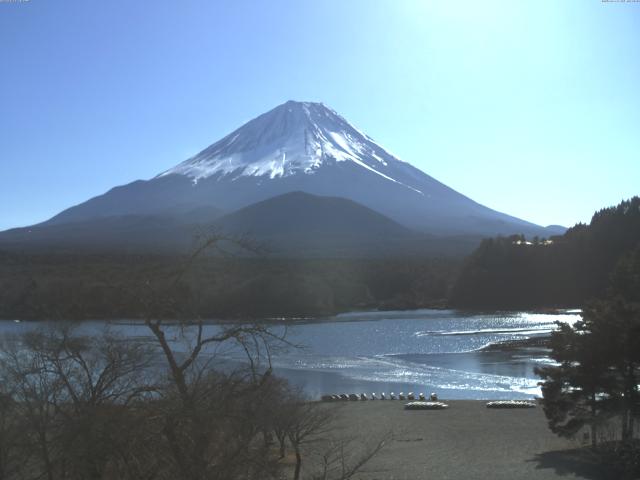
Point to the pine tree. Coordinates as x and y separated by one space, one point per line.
598 369
573 391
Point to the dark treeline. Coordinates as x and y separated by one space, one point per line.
593 387
502 273
564 271
65 286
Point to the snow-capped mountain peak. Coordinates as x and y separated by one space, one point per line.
298 147
293 138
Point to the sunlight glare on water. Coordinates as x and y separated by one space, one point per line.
421 350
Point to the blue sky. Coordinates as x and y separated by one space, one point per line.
531 108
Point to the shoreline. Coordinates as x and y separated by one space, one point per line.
311 318
540 341
466 441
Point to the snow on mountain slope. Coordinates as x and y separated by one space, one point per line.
294 138
302 147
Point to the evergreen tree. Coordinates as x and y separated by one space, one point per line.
598 369
573 391
505 273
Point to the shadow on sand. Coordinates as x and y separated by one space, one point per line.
581 462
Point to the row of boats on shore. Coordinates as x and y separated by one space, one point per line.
420 401
354 397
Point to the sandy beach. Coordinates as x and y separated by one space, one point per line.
466 441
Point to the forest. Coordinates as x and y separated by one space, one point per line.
503 273
562 271
591 388
74 287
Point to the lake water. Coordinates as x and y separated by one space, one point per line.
441 351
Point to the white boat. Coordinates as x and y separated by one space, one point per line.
511 404
425 406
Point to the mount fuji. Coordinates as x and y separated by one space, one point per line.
295 147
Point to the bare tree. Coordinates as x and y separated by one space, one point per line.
342 460
12 454
35 393
210 419
312 431
72 394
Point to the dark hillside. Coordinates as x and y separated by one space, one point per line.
80 286
562 271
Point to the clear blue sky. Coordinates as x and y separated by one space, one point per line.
531 108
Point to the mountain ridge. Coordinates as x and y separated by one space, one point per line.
300 147
295 224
